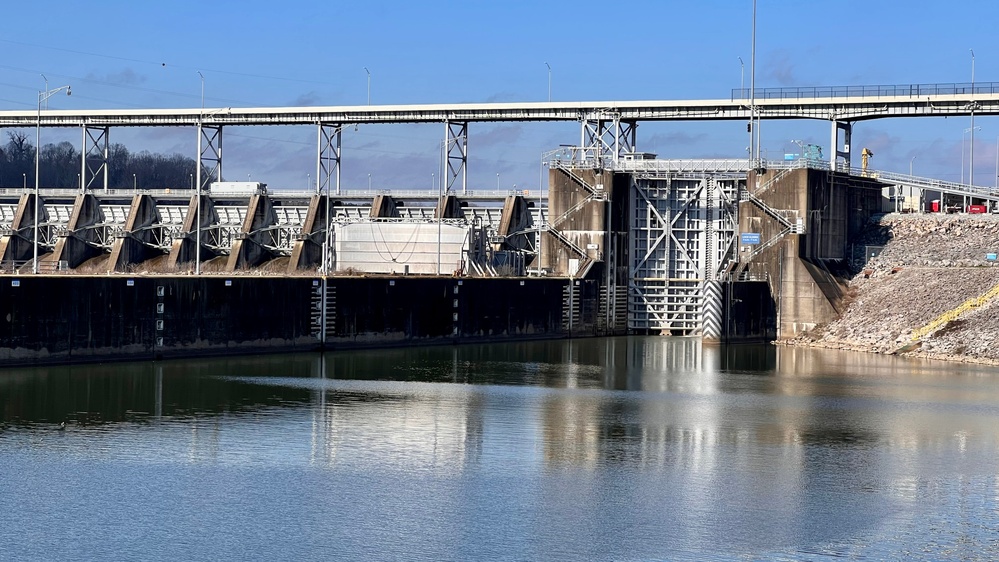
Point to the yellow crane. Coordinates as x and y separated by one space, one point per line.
865 157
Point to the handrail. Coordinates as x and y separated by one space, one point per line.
877 91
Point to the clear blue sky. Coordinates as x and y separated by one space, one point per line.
128 54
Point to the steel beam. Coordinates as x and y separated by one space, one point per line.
606 137
456 155
328 158
94 157
835 153
850 106
209 155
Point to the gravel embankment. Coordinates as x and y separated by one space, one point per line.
929 265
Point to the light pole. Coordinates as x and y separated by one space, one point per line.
549 82
202 90
197 211
369 84
971 156
42 97
135 184
966 131
369 183
541 216
24 176
497 181
742 77
753 148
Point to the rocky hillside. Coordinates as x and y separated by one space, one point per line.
929 265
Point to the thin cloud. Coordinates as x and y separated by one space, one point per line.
501 97
310 98
501 135
677 138
780 68
126 77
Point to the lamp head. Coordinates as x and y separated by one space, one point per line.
69 90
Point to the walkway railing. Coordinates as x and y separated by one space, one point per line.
878 91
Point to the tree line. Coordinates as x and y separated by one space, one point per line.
60 165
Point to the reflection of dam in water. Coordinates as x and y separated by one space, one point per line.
644 436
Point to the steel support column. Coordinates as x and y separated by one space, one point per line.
209 155
328 158
835 153
456 154
605 135
94 158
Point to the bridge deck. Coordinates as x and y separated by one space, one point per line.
871 104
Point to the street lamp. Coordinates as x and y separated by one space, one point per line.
966 131
202 89
910 165
754 144
135 184
197 211
549 82
369 183
497 181
541 216
742 76
971 157
42 97
369 84
25 178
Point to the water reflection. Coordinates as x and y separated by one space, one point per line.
652 441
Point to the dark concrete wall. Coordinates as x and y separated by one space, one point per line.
413 310
750 312
65 319
806 269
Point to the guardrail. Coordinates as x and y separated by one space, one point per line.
877 91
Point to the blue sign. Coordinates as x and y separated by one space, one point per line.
749 238
991 257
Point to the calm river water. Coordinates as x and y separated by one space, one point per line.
639 448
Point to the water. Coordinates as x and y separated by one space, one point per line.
603 449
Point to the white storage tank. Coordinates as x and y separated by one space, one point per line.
243 188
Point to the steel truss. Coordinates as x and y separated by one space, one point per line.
328 158
95 157
456 154
606 137
683 233
209 155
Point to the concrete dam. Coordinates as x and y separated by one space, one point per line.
639 245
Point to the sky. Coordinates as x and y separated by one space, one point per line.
252 53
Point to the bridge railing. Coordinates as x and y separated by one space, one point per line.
877 91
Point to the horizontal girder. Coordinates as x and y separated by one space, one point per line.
829 108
